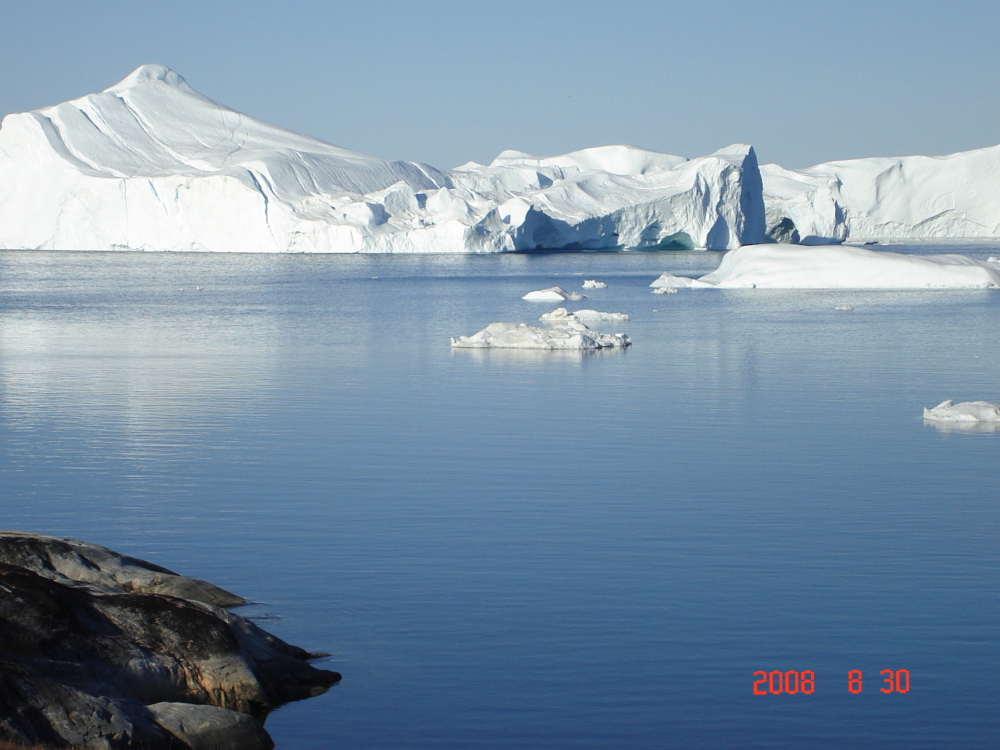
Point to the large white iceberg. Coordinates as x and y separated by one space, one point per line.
886 198
569 335
967 411
839 267
151 164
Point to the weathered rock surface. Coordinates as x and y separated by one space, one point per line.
210 727
62 559
106 665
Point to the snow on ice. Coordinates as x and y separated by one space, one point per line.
552 294
561 315
967 411
569 335
839 267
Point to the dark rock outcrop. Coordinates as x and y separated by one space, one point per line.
82 662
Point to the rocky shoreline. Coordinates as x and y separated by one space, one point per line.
98 649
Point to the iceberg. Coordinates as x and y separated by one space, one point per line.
151 164
569 335
967 411
839 267
594 284
885 198
561 315
552 294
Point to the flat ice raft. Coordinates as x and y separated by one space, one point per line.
967 411
552 294
839 267
569 335
562 315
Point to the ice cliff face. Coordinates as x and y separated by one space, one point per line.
151 164
886 198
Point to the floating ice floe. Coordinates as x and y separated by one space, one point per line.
594 284
569 335
844 308
552 294
839 267
561 314
665 289
967 411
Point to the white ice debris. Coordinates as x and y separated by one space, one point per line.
151 164
594 284
844 308
967 411
957 195
665 289
839 267
552 294
561 314
569 335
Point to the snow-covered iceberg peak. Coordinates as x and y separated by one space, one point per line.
150 72
619 160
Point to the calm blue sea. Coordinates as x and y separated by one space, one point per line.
530 549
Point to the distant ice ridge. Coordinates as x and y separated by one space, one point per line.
150 164
569 335
561 315
839 267
885 198
967 411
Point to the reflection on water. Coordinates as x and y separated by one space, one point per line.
477 534
971 428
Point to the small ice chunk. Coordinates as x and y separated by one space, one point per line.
669 281
552 294
594 284
665 290
993 259
967 411
569 335
843 308
561 314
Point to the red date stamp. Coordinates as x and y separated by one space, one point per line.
793 682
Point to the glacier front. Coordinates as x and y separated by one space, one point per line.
150 164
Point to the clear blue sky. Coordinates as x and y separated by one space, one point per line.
446 82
